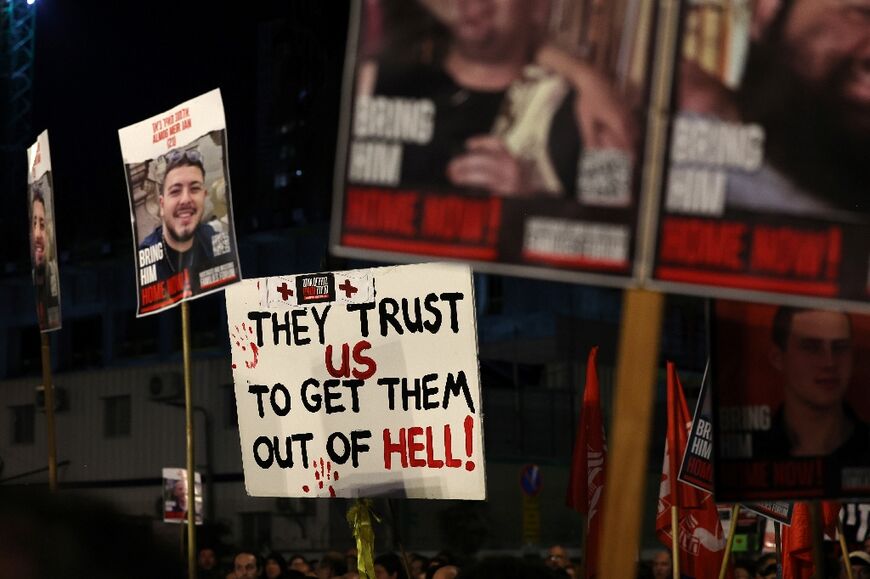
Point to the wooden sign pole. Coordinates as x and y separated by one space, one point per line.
188 415
48 391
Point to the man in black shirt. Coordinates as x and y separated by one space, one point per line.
814 352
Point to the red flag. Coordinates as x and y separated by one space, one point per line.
701 540
797 540
586 485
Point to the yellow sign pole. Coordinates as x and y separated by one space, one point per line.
730 543
48 391
188 415
626 466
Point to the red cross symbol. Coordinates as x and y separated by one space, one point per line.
348 289
285 291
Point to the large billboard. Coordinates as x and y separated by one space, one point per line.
766 188
509 135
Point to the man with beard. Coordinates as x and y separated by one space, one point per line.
184 242
498 110
45 277
807 85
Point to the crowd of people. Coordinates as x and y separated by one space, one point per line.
250 564
555 564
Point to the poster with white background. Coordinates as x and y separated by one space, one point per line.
359 383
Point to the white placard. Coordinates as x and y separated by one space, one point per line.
359 383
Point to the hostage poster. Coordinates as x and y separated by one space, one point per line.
359 383
766 187
182 215
507 134
43 241
791 409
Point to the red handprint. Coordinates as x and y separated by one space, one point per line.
246 334
323 473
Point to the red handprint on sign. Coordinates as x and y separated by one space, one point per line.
239 337
323 474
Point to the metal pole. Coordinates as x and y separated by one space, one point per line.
48 390
188 416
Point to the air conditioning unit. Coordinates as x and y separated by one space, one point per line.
61 402
166 387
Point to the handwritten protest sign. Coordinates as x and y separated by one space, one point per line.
359 383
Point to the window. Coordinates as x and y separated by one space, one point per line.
23 422
116 416
256 528
86 342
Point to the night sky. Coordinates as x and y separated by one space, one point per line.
100 66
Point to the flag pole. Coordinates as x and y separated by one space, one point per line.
48 392
816 530
777 543
675 535
844 548
729 544
673 467
188 414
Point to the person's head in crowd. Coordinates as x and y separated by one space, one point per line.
812 349
743 570
806 83
48 535
247 565
182 197
37 230
510 568
860 563
275 566
206 558
332 564
446 572
866 545
299 563
418 564
557 557
765 567
389 566
661 565
351 555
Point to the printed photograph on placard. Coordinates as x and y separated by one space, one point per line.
766 184
791 404
508 134
175 504
43 241
178 182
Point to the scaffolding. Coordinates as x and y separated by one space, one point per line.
17 35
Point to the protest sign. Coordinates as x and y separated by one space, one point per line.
175 496
790 403
484 136
182 215
359 383
43 243
766 189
